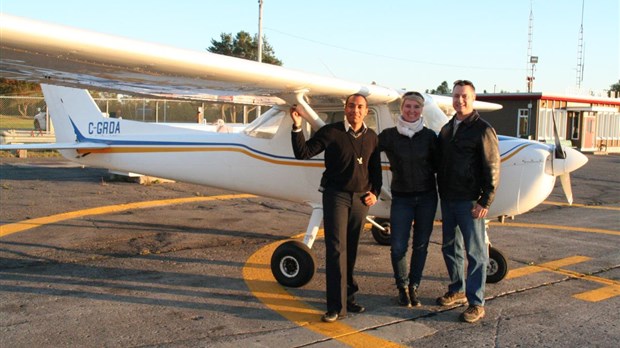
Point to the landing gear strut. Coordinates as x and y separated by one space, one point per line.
380 230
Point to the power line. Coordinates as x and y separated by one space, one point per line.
388 57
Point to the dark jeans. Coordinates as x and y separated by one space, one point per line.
421 211
470 240
343 220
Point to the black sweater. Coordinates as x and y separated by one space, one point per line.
343 172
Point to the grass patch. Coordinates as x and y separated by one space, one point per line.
16 122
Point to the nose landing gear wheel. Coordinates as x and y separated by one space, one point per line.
497 267
293 264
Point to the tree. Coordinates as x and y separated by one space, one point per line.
21 88
16 87
243 45
615 87
441 89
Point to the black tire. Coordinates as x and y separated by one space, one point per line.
382 237
293 264
497 267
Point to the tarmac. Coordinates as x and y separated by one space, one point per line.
86 261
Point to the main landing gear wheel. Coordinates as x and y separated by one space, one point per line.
293 264
497 267
382 237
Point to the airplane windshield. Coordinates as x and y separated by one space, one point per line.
266 125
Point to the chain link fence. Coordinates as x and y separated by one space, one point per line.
17 113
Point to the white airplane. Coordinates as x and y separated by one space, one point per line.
258 159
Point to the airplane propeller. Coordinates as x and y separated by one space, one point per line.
565 161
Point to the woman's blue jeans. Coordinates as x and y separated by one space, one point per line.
419 210
462 234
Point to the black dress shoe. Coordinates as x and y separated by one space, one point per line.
403 297
355 307
330 317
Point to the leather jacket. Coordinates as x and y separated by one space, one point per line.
469 161
412 160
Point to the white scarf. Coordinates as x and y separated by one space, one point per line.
409 128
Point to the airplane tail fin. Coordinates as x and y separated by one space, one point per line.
70 110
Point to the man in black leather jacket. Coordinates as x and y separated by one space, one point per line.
468 176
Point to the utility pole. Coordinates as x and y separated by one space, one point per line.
260 42
260 31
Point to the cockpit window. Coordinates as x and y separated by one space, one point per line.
266 125
394 108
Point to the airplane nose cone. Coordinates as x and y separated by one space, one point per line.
573 161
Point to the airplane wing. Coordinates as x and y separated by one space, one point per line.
54 54
445 104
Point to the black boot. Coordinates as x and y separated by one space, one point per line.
413 296
403 297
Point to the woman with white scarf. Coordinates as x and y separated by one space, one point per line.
412 150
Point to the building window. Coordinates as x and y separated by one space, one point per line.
523 128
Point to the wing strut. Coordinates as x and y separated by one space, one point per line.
310 115
313 224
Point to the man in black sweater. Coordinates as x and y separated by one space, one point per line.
350 184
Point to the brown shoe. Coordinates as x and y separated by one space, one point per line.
452 298
472 314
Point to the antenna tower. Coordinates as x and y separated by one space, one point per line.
530 69
580 51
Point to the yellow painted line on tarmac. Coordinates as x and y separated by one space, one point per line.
600 294
24 225
257 275
610 289
547 266
581 205
558 227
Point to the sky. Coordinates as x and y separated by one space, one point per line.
409 44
